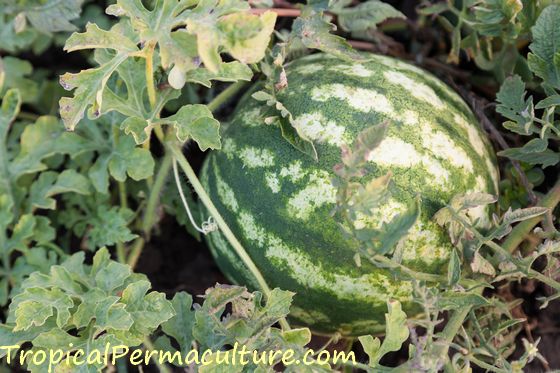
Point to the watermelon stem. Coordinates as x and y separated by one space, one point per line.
226 95
150 216
178 156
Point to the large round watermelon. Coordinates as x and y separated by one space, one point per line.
279 201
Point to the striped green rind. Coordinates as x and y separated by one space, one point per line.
278 201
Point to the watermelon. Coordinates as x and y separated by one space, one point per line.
279 201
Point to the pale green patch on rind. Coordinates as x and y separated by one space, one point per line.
254 157
475 137
393 152
229 147
417 89
392 63
319 129
353 70
364 100
293 171
309 69
317 192
226 194
480 146
272 182
253 118
379 215
409 117
423 241
308 317
441 145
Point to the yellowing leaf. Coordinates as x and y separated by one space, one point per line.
250 49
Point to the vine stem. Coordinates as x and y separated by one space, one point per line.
521 230
203 196
135 252
149 55
153 199
226 95
446 337
157 185
161 366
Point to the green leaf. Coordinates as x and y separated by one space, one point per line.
130 98
227 72
102 303
138 163
11 103
366 15
544 60
385 238
371 346
535 146
300 336
396 333
180 326
290 133
472 200
15 73
139 128
550 101
433 9
454 268
511 100
204 25
109 226
518 215
148 310
45 138
285 121
248 322
496 18
315 33
36 305
53 15
50 184
479 265
546 158
452 300
198 123
90 83
10 40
